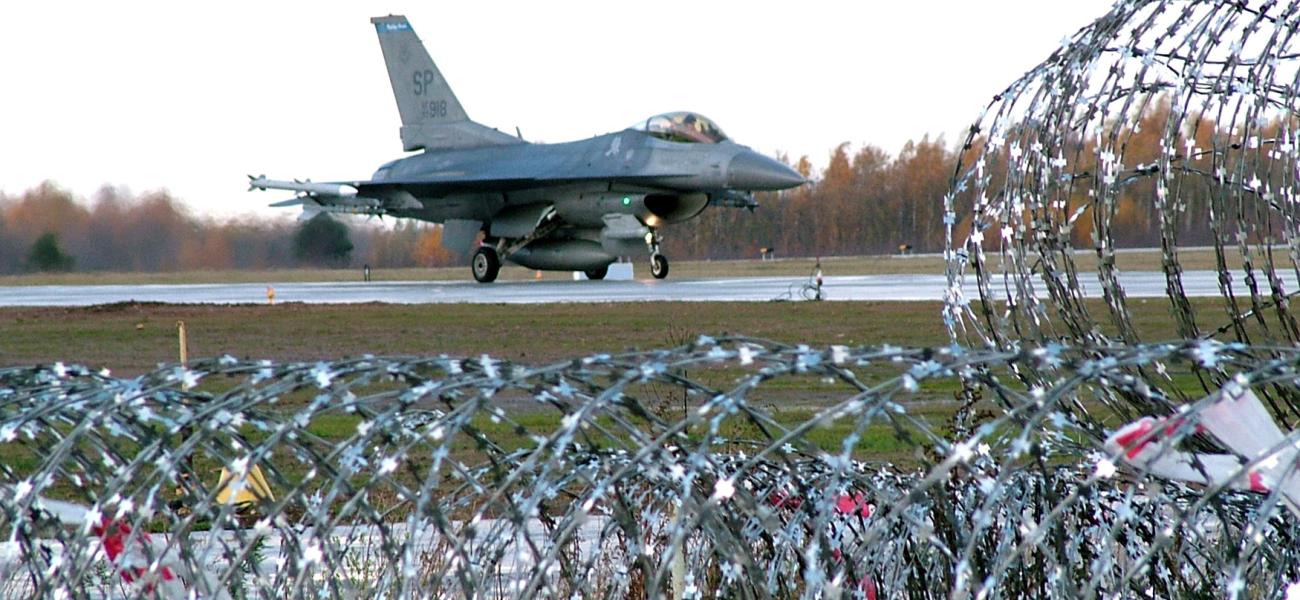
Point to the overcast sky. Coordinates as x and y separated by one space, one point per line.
192 96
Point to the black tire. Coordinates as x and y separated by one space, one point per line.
485 265
597 274
658 266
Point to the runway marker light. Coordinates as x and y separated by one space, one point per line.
627 200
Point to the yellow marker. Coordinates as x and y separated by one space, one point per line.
270 295
255 488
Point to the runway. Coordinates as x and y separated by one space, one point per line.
748 289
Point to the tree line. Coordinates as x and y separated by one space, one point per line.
868 202
47 228
864 201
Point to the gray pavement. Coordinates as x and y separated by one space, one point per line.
864 287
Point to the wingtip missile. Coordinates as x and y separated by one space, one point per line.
257 183
338 190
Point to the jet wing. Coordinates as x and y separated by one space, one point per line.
532 176
428 187
377 197
380 197
437 187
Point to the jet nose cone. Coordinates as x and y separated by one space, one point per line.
752 171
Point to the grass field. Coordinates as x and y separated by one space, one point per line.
132 338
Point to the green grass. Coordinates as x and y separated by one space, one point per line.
131 338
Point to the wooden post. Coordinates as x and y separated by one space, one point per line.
185 432
184 342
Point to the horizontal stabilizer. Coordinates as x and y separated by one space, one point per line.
289 202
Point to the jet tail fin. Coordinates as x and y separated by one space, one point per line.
432 117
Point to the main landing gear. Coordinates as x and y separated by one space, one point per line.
485 264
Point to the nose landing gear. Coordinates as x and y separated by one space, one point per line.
658 264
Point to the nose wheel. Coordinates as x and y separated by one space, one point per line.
658 266
485 265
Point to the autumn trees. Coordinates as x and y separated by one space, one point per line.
864 202
116 231
868 202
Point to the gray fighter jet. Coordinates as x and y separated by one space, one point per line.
575 206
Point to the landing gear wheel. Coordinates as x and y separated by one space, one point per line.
485 265
658 266
597 274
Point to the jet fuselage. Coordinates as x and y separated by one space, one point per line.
569 206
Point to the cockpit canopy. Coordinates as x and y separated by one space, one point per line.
686 127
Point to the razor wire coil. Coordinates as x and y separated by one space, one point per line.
434 477
1049 451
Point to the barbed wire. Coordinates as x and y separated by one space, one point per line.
429 477
1046 452
1060 157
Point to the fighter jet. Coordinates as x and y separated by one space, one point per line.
574 206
